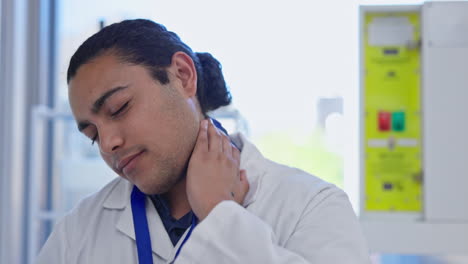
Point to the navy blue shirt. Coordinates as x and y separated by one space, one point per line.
175 227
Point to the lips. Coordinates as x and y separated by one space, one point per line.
124 162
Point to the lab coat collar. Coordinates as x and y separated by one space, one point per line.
253 162
119 199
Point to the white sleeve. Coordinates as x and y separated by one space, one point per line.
328 232
54 250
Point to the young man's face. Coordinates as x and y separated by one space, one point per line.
145 131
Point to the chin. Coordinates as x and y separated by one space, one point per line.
151 188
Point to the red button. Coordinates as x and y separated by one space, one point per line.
385 120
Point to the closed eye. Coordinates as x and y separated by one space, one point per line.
121 109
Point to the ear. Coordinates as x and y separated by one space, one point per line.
185 73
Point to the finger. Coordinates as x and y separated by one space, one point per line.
236 155
227 149
214 138
202 139
245 186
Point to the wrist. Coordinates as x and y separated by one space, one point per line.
213 203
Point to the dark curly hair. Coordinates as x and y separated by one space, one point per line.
144 42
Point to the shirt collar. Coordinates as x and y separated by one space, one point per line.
162 206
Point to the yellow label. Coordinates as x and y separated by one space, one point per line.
392 112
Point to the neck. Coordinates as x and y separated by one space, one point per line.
178 201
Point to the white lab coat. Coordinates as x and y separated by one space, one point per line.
290 217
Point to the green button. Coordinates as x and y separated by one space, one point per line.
398 121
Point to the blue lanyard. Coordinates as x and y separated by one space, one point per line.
142 235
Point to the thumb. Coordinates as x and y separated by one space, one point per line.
244 185
201 145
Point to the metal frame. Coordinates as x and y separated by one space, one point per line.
42 116
444 99
41 79
13 74
26 55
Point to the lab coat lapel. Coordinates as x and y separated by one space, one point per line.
160 241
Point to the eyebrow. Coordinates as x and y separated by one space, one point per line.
97 105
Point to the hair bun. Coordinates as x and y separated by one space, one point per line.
213 92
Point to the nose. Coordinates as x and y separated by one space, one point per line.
110 139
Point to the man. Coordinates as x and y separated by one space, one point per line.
187 192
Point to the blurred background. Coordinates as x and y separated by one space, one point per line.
302 76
